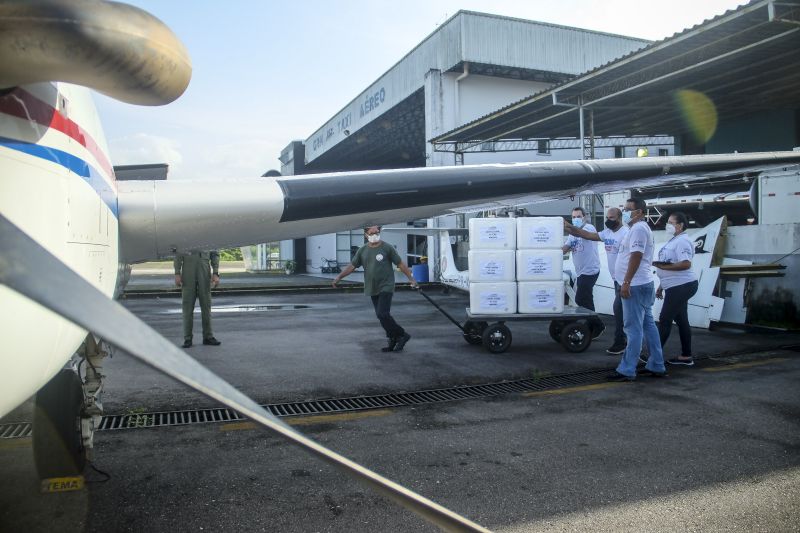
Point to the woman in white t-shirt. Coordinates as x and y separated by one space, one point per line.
677 285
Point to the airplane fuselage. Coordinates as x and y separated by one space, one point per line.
57 185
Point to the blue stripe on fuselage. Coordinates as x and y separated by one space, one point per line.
72 163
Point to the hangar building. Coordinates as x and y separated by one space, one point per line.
471 65
499 89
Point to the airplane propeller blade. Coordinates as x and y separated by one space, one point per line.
24 267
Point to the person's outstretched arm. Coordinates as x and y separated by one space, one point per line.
343 274
407 271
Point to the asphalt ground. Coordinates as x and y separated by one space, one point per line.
710 448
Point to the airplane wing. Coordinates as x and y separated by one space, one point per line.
158 218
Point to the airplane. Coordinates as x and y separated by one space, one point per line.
66 225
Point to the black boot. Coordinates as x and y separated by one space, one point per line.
401 341
390 347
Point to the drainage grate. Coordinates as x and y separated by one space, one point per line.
355 403
15 430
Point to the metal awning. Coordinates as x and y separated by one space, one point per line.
744 60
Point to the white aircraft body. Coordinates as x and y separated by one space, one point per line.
59 199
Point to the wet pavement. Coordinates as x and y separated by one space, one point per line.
710 448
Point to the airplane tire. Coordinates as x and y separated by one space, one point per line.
57 445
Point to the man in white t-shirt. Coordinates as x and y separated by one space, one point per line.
634 272
611 237
585 259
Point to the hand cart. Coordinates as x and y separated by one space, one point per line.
574 328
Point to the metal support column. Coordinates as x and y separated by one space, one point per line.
588 144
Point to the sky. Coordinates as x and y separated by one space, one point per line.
267 72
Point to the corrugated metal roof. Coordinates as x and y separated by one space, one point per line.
494 45
744 60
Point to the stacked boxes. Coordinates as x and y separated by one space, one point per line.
516 264
540 264
492 266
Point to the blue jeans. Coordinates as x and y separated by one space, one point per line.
619 336
637 314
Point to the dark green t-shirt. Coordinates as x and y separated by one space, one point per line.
378 267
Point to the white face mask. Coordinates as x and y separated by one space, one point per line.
374 238
577 222
670 229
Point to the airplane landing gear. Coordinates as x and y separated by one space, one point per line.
68 410
57 443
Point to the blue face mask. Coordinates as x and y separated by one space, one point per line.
577 222
626 217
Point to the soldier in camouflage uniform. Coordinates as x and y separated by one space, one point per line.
195 272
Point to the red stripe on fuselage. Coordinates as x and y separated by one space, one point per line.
22 104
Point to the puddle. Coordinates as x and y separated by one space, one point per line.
255 308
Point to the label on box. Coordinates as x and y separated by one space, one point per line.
492 268
539 266
494 300
492 234
542 298
541 235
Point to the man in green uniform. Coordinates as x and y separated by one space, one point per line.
377 258
195 272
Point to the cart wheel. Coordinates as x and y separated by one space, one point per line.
575 337
556 326
497 338
473 332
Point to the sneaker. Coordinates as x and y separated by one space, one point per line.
652 374
211 341
401 341
187 344
616 348
616 376
678 361
390 347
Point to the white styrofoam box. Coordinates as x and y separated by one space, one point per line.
492 234
540 232
541 296
492 265
540 265
493 298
